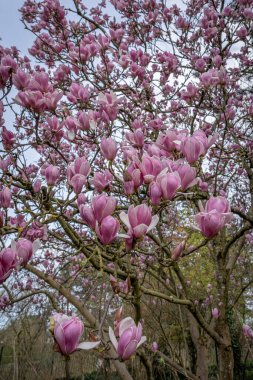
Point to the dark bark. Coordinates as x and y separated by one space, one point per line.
201 343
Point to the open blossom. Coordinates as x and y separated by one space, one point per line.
139 220
129 339
67 332
102 180
214 216
24 249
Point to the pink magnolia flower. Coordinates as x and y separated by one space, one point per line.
101 207
210 223
150 167
177 251
139 220
5 197
77 182
37 186
8 138
154 346
108 229
87 215
24 249
130 338
187 175
77 174
108 148
219 204
155 193
191 148
169 183
7 263
214 216
215 313
52 174
67 332
247 331
102 181
120 286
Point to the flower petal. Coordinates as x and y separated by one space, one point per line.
113 338
154 221
88 345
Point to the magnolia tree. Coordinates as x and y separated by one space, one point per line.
128 170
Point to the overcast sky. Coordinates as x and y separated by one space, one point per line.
12 31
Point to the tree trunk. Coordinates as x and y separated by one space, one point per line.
201 343
225 353
226 363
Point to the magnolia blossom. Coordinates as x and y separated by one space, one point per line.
7 263
139 220
247 331
108 148
24 249
108 229
67 332
52 174
215 313
5 197
176 253
130 338
101 207
214 216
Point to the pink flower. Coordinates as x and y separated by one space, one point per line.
7 263
219 204
108 229
169 183
130 338
210 223
108 148
150 167
214 216
52 174
154 346
247 331
155 193
177 251
139 220
24 249
37 186
67 332
80 166
8 138
102 206
215 313
77 182
101 181
187 175
87 215
5 197
191 149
